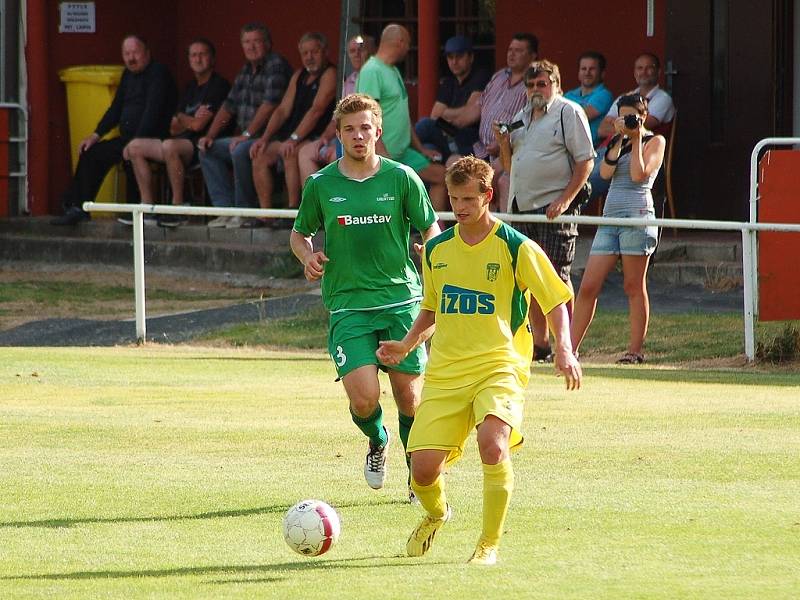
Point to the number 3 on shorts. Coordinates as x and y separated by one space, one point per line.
340 357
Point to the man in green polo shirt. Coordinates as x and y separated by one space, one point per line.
367 205
381 79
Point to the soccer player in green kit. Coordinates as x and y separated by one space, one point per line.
367 205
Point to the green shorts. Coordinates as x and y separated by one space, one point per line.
412 158
353 338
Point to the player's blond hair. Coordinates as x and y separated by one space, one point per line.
355 103
469 167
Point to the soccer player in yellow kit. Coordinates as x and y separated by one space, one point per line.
478 277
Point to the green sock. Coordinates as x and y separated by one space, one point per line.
404 428
372 426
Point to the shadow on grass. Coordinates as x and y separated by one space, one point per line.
323 357
694 376
222 514
304 565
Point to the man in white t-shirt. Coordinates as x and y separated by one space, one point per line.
660 109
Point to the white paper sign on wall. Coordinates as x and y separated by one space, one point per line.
76 17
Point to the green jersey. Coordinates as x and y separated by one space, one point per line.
367 225
385 84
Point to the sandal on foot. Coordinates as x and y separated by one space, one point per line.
631 358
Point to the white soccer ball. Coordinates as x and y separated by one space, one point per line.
311 527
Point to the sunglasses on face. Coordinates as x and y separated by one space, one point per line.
537 84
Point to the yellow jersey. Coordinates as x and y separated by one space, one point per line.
480 297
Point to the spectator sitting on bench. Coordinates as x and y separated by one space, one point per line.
453 124
301 117
201 99
323 151
142 107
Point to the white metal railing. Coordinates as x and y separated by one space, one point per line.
22 139
747 229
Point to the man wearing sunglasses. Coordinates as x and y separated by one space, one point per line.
550 157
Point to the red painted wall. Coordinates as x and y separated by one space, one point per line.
567 28
169 27
114 20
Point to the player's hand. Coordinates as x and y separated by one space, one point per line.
391 352
314 267
419 249
567 365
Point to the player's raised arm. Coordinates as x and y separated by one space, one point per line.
391 352
564 360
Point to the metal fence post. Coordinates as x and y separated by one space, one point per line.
138 274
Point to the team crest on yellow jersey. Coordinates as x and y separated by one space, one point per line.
492 269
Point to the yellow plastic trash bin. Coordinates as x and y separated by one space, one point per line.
90 91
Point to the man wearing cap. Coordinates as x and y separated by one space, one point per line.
453 124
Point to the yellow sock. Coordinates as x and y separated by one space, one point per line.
431 497
498 483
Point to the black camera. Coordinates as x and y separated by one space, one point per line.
632 122
509 127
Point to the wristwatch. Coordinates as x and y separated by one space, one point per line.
294 137
247 134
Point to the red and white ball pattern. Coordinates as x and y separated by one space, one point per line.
311 527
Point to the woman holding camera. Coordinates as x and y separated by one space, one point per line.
632 162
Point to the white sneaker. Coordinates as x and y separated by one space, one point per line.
421 539
234 223
375 464
218 222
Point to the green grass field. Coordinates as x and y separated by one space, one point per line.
165 471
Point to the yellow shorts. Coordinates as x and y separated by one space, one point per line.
445 418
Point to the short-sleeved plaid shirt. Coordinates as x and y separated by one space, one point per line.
252 87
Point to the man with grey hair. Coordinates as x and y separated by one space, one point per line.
302 116
550 157
256 92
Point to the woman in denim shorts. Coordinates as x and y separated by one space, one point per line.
632 162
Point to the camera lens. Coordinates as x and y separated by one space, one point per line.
631 121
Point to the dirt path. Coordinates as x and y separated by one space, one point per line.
33 291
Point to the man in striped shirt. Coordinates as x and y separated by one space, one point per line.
504 97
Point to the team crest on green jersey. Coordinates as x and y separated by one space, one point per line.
492 269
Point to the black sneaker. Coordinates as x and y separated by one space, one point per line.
72 216
542 354
172 220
